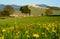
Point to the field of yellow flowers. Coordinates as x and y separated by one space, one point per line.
30 28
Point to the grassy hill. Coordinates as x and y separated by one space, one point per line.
56 12
40 11
37 10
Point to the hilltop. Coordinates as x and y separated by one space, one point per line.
16 7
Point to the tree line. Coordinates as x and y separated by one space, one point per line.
8 9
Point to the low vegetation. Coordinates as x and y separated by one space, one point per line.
30 28
6 11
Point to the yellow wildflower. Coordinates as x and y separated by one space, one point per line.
18 33
28 36
36 35
44 24
27 31
54 25
53 30
46 27
2 37
49 25
3 30
43 33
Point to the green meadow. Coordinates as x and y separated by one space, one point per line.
29 19
33 27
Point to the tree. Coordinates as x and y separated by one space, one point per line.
49 11
4 13
8 9
25 10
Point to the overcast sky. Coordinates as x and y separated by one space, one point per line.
25 2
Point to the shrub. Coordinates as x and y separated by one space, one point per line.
49 11
25 10
8 10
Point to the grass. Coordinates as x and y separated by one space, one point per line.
37 11
57 12
43 27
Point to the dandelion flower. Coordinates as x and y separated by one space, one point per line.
43 33
54 30
3 30
28 36
44 24
27 32
36 35
54 25
49 25
47 28
18 33
2 37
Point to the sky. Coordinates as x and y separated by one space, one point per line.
25 2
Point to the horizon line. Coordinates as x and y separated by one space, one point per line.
28 4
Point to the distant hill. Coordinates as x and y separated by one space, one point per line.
1 6
53 7
42 5
46 6
40 9
16 7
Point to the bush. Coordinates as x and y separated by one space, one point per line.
8 10
4 13
25 10
49 11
